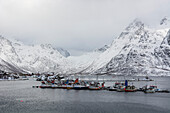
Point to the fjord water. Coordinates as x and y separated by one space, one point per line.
20 97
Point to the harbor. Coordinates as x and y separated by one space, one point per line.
115 84
19 96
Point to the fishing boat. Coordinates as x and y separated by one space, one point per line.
120 88
131 88
151 89
69 86
155 88
94 86
77 85
45 85
142 88
114 87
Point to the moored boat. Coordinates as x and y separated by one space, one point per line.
149 90
130 88
45 85
115 87
79 86
120 89
94 86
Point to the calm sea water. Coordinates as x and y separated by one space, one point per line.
20 97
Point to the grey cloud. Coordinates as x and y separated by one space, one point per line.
75 24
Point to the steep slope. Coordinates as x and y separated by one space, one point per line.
163 53
9 59
131 53
63 52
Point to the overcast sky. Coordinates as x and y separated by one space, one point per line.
79 25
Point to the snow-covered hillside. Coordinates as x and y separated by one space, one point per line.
39 58
79 63
133 52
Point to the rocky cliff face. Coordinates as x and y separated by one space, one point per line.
63 52
163 53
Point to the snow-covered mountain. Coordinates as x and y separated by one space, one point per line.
133 52
18 57
39 58
139 50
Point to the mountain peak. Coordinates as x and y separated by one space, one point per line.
165 21
103 49
46 46
136 24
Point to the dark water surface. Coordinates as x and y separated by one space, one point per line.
20 97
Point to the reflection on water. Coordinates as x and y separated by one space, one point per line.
20 97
